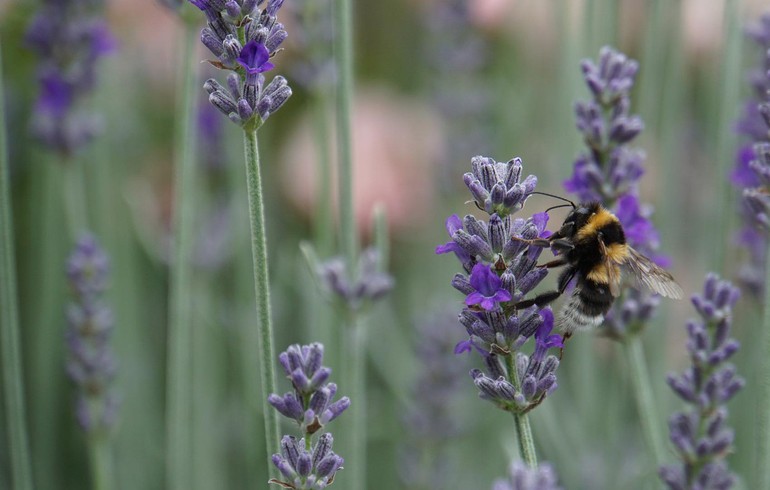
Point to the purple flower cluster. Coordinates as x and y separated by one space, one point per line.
304 465
499 270
244 38
609 171
91 363
70 37
751 173
370 285
699 433
522 477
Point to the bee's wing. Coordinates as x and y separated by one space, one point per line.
613 272
652 277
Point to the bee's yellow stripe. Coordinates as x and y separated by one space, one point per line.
595 223
617 252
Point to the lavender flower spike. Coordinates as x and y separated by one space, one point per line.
307 470
752 166
700 433
311 406
70 37
369 286
91 363
522 477
246 101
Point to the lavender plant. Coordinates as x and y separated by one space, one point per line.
499 270
751 175
306 465
244 36
747 174
609 171
700 433
70 37
91 363
522 477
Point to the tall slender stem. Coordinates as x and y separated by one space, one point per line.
179 417
762 469
354 354
100 458
13 381
523 429
729 103
343 45
640 381
261 285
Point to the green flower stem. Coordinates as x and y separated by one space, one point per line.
13 381
354 361
100 456
762 469
324 221
343 46
523 429
179 416
261 285
75 196
640 381
727 112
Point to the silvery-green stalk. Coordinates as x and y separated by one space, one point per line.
244 35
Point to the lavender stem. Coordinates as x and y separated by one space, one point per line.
354 359
645 401
179 417
18 446
762 471
523 429
75 197
343 46
100 457
261 285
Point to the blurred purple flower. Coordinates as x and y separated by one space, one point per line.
522 477
609 170
752 164
70 38
700 433
91 364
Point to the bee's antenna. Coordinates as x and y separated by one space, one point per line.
555 197
560 206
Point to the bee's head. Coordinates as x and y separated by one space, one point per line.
576 219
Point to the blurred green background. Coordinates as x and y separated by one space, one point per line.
429 97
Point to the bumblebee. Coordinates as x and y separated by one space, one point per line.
591 245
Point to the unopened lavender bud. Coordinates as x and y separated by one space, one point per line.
223 102
289 450
529 386
304 464
497 235
212 42
233 9
276 37
284 467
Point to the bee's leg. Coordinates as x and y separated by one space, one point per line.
540 300
561 245
543 299
559 261
536 242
